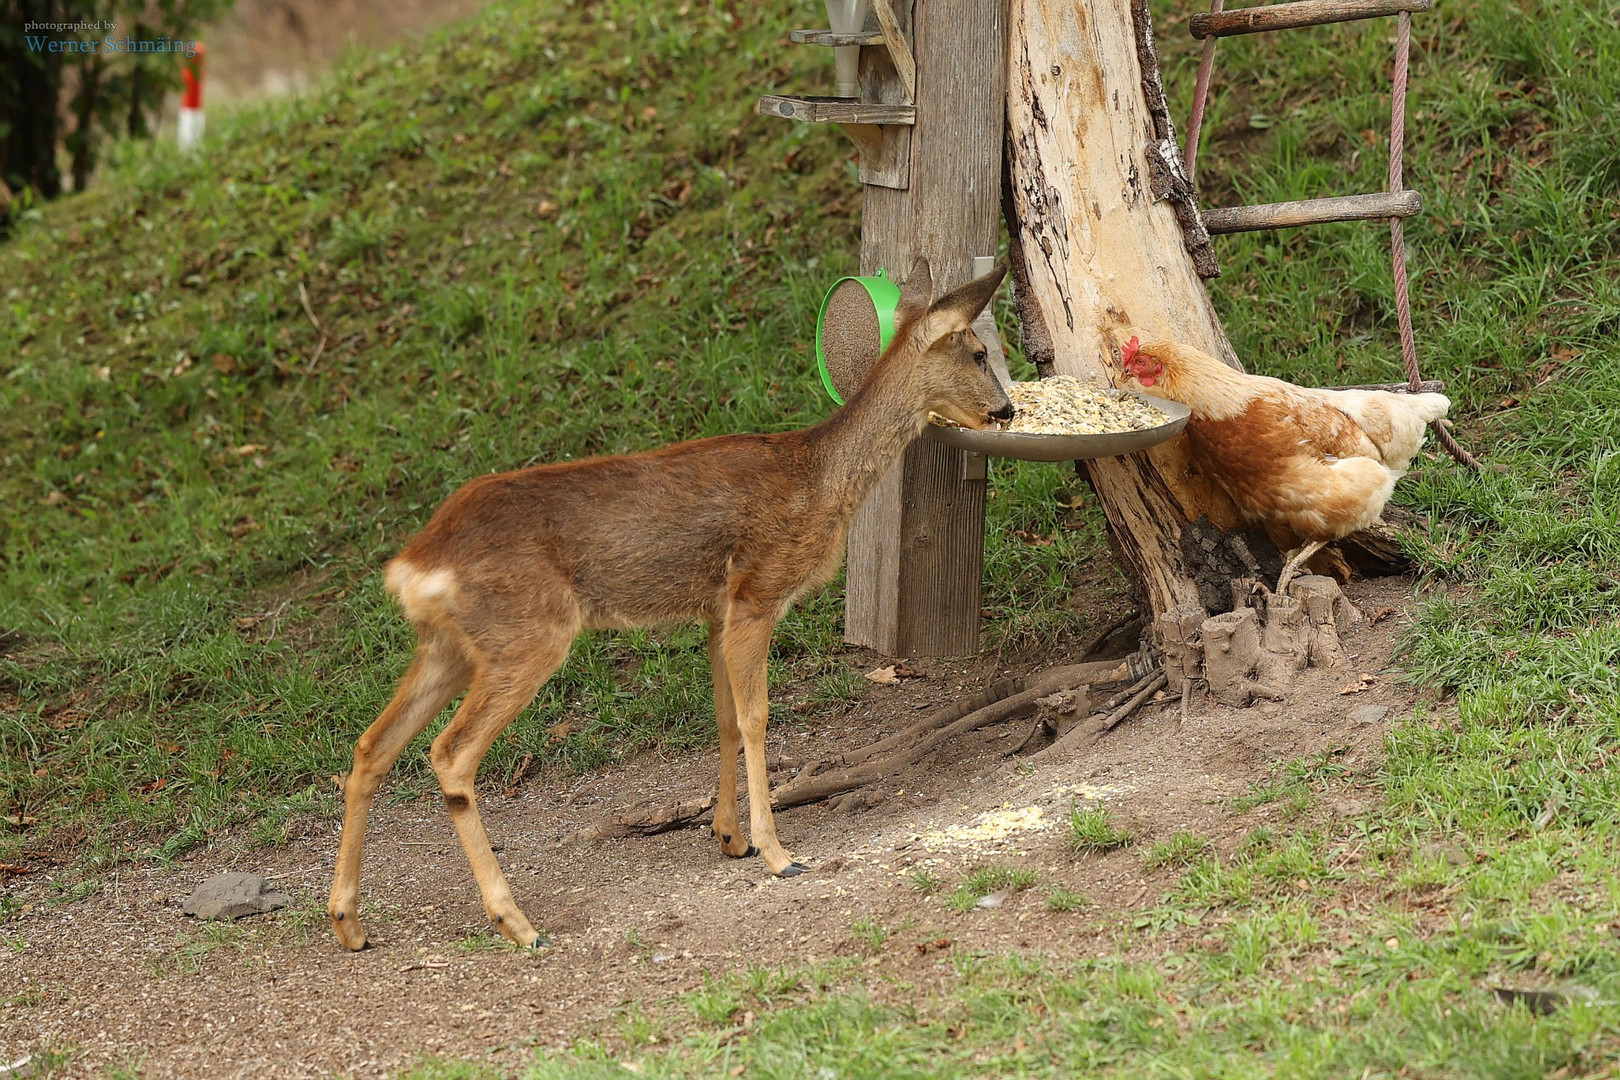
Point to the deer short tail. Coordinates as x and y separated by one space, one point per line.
425 595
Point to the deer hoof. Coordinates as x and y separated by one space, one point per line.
793 869
540 942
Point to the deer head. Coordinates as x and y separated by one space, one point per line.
944 357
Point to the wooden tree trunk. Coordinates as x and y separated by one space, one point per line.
1103 256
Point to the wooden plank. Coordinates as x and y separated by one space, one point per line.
1257 20
885 149
916 549
834 40
835 110
905 65
1287 215
885 153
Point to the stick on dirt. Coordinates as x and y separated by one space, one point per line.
1091 729
822 779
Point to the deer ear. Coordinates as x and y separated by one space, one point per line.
966 301
916 293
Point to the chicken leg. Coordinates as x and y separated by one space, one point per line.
1295 561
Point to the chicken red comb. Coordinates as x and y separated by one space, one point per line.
1128 353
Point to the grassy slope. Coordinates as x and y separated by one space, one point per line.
1338 948
558 231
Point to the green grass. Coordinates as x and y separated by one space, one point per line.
506 257
197 496
1062 898
985 880
1180 849
1094 830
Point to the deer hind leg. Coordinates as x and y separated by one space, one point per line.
726 827
500 689
439 672
747 645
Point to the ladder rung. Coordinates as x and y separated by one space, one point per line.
834 40
1286 215
835 110
1304 13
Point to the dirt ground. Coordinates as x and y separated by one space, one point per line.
126 980
269 47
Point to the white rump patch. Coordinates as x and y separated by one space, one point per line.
422 593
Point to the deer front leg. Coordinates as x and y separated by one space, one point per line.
497 695
747 646
726 827
436 675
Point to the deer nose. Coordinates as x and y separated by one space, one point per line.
1004 413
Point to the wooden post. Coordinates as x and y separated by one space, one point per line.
916 549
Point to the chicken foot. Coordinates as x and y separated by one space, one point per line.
1295 561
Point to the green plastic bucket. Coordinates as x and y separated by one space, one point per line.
851 339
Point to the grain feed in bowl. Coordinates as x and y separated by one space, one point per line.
1066 405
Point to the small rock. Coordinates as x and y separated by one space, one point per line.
1547 1001
1439 851
1368 714
233 895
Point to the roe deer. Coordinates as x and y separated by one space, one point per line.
731 530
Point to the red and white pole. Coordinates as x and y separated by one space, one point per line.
191 109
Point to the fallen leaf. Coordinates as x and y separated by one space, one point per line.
1379 616
13 868
1366 681
248 448
1035 539
904 670
883 675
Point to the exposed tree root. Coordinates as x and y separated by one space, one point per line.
827 777
1069 728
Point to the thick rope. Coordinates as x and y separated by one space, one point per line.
1397 236
1206 65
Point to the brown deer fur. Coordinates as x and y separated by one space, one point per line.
730 530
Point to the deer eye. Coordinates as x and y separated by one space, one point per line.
978 357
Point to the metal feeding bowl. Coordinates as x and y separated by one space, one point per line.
1030 447
855 325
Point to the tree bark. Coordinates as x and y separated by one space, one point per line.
1104 257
